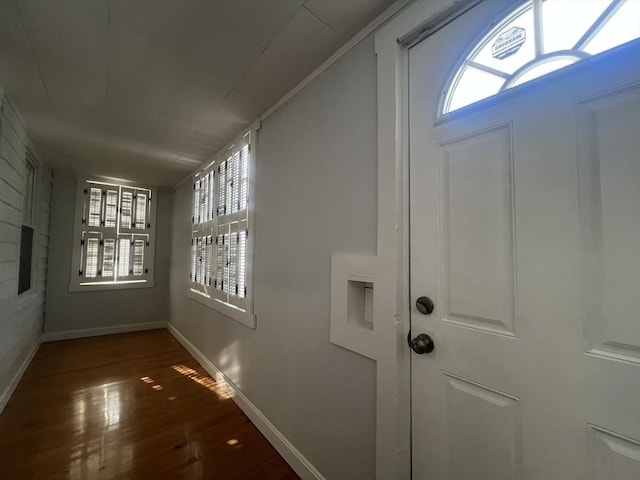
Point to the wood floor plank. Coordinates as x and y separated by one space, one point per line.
128 406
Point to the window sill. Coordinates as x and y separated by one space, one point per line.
247 319
105 286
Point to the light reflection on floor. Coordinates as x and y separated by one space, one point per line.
100 443
135 409
235 443
97 432
219 386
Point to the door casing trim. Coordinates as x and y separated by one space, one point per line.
392 305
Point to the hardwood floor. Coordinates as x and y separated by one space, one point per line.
128 406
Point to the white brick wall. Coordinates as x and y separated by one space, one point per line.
20 317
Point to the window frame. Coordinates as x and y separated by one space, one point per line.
29 218
239 309
511 86
81 236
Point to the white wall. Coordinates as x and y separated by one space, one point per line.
20 317
316 196
105 309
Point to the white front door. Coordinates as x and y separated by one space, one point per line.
525 234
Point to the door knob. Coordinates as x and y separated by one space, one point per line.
424 305
423 343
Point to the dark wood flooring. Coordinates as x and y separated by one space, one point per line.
129 406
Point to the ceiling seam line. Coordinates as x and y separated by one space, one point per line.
264 50
318 18
178 155
106 79
35 61
383 18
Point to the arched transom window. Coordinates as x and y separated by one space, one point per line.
537 38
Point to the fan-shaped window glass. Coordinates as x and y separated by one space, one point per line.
537 38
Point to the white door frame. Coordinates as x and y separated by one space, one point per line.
391 307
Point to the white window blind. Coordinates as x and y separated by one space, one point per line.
95 207
202 261
115 231
124 251
196 201
194 261
232 183
126 208
242 265
222 182
220 262
208 256
244 177
92 257
226 264
141 210
108 257
138 257
220 246
111 209
206 198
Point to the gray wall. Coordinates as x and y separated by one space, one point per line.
108 308
20 317
316 196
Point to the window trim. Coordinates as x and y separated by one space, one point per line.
31 160
75 282
246 316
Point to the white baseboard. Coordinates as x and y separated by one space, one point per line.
95 332
6 395
292 456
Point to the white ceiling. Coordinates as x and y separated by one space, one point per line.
148 89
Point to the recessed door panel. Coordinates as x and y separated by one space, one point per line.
613 456
477 225
609 165
483 428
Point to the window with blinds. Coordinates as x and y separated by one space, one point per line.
221 231
115 236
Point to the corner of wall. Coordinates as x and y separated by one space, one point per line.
21 321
